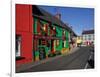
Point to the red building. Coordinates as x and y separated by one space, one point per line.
24 22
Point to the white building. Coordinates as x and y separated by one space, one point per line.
88 37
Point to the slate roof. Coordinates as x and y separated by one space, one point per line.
44 15
88 32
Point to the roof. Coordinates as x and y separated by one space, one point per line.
88 32
44 15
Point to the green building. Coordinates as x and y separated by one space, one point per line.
50 34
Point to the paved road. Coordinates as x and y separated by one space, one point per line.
76 60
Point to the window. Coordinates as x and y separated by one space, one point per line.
82 38
54 28
78 37
35 25
57 42
89 37
92 37
44 27
85 37
18 45
64 32
53 31
64 43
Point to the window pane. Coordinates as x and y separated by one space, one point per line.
18 45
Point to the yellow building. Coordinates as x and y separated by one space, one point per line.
79 40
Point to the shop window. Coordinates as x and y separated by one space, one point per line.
18 45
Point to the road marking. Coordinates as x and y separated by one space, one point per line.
90 57
86 66
87 62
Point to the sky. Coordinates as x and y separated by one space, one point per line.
79 18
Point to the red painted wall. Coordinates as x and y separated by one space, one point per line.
24 27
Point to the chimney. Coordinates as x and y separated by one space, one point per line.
58 16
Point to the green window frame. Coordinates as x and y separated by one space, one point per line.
35 25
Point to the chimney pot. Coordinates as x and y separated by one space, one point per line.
58 16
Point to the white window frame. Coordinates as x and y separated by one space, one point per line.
18 53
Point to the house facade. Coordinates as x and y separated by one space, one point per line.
24 33
51 35
88 37
79 40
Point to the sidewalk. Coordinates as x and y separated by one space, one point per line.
29 65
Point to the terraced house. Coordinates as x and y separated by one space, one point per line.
39 34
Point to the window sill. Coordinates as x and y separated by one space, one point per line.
19 58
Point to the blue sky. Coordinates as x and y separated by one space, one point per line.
79 18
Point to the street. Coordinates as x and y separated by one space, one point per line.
77 60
